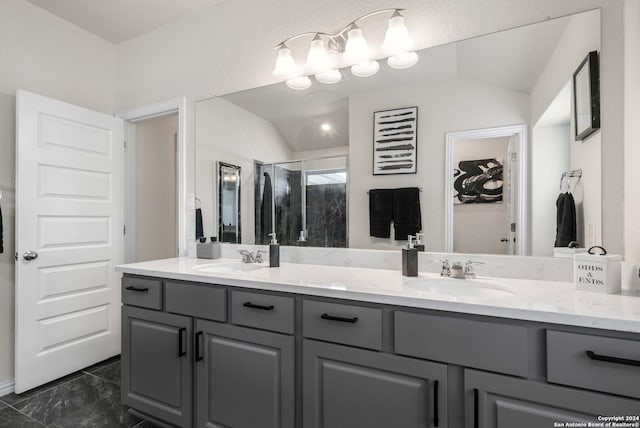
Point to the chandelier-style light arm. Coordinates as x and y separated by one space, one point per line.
338 40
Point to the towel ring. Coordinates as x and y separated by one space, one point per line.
198 202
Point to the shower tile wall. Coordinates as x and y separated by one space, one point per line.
327 215
326 210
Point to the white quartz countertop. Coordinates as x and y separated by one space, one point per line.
532 300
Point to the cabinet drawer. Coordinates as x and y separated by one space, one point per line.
485 345
263 311
200 301
593 362
351 325
142 292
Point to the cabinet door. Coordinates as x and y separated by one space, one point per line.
157 364
244 377
351 388
502 401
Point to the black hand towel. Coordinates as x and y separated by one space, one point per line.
380 212
265 209
1 234
407 219
566 220
199 227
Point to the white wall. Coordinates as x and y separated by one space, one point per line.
156 198
227 133
45 54
550 157
477 228
632 142
447 106
207 55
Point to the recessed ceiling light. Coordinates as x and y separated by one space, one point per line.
325 127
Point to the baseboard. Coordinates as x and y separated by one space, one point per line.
7 387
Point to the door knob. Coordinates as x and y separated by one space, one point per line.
30 255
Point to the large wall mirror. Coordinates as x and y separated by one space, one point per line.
514 79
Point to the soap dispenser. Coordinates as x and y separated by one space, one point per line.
419 244
410 259
274 251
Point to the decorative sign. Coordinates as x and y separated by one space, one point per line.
395 141
599 273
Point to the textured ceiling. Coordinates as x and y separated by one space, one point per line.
120 20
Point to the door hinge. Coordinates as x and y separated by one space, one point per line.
124 145
124 230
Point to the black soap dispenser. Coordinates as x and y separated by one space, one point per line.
419 244
410 259
274 251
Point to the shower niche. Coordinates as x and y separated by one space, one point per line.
303 201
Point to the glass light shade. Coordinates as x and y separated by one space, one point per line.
356 49
318 57
365 68
285 64
402 60
329 77
299 83
397 39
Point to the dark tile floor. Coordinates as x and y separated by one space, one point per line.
89 398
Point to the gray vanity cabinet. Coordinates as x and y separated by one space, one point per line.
157 364
244 377
498 401
346 387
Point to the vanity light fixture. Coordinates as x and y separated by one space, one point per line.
351 43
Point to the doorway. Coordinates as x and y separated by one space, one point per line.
155 201
155 178
486 191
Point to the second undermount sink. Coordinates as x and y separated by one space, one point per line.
229 267
458 287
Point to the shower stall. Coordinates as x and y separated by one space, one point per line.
303 201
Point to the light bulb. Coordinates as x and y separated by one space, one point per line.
402 60
329 77
365 68
356 49
318 57
285 64
397 39
299 83
326 127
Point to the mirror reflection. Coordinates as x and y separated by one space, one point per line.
518 78
229 203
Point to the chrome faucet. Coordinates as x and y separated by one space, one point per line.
249 257
469 273
446 269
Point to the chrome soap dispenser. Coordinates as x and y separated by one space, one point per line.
410 259
274 251
419 244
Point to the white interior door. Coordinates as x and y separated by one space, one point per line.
69 210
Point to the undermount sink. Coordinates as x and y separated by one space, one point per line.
458 287
230 266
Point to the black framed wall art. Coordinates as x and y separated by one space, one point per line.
586 97
395 141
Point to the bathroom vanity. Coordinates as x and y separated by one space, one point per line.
225 344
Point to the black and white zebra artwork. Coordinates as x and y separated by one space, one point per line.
395 141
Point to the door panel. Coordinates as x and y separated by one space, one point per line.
499 401
157 364
69 212
352 388
245 379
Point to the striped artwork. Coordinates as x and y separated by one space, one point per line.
395 141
